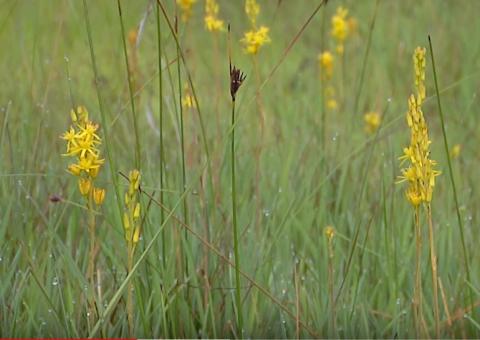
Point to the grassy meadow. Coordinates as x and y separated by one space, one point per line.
317 237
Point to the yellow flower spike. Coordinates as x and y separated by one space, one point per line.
329 232
98 196
186 7
457 148
372 121
212 22
419 174
325 61
419 66
332 104
340 28
253 10
255 39
84 184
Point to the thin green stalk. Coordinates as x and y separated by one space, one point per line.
450 171
160 104
69 81
417 298
182 150
130 90
91 257
182 132
111 160
433 262
235 230
130 290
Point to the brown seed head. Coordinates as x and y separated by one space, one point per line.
236 79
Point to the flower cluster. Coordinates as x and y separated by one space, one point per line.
212 22
420 173
131 216
82 144
372 121
186 7
341 27
326 63
188 101
255 37
253 10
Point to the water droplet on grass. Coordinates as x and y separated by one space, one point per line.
55 281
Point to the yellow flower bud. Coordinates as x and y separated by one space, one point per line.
329 232
126 221
73 115
74 169
84 184
98 195
136 235
136 212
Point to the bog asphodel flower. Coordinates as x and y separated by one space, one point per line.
212 22
253 10
254 39
82 144
419 173
188 101
131 216
340 28
325 61
186 7
456 150
372 121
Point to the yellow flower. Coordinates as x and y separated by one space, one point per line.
340 28
84 184
325 61
188 102
420 173
332 104
98 195
372 121
329 232
82 144
131 217
212 22
252 9
255 39
186 7
457 148
419 66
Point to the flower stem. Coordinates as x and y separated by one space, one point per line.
433 261
160 104
235 231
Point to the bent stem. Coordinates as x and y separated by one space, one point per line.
235 230
450 172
